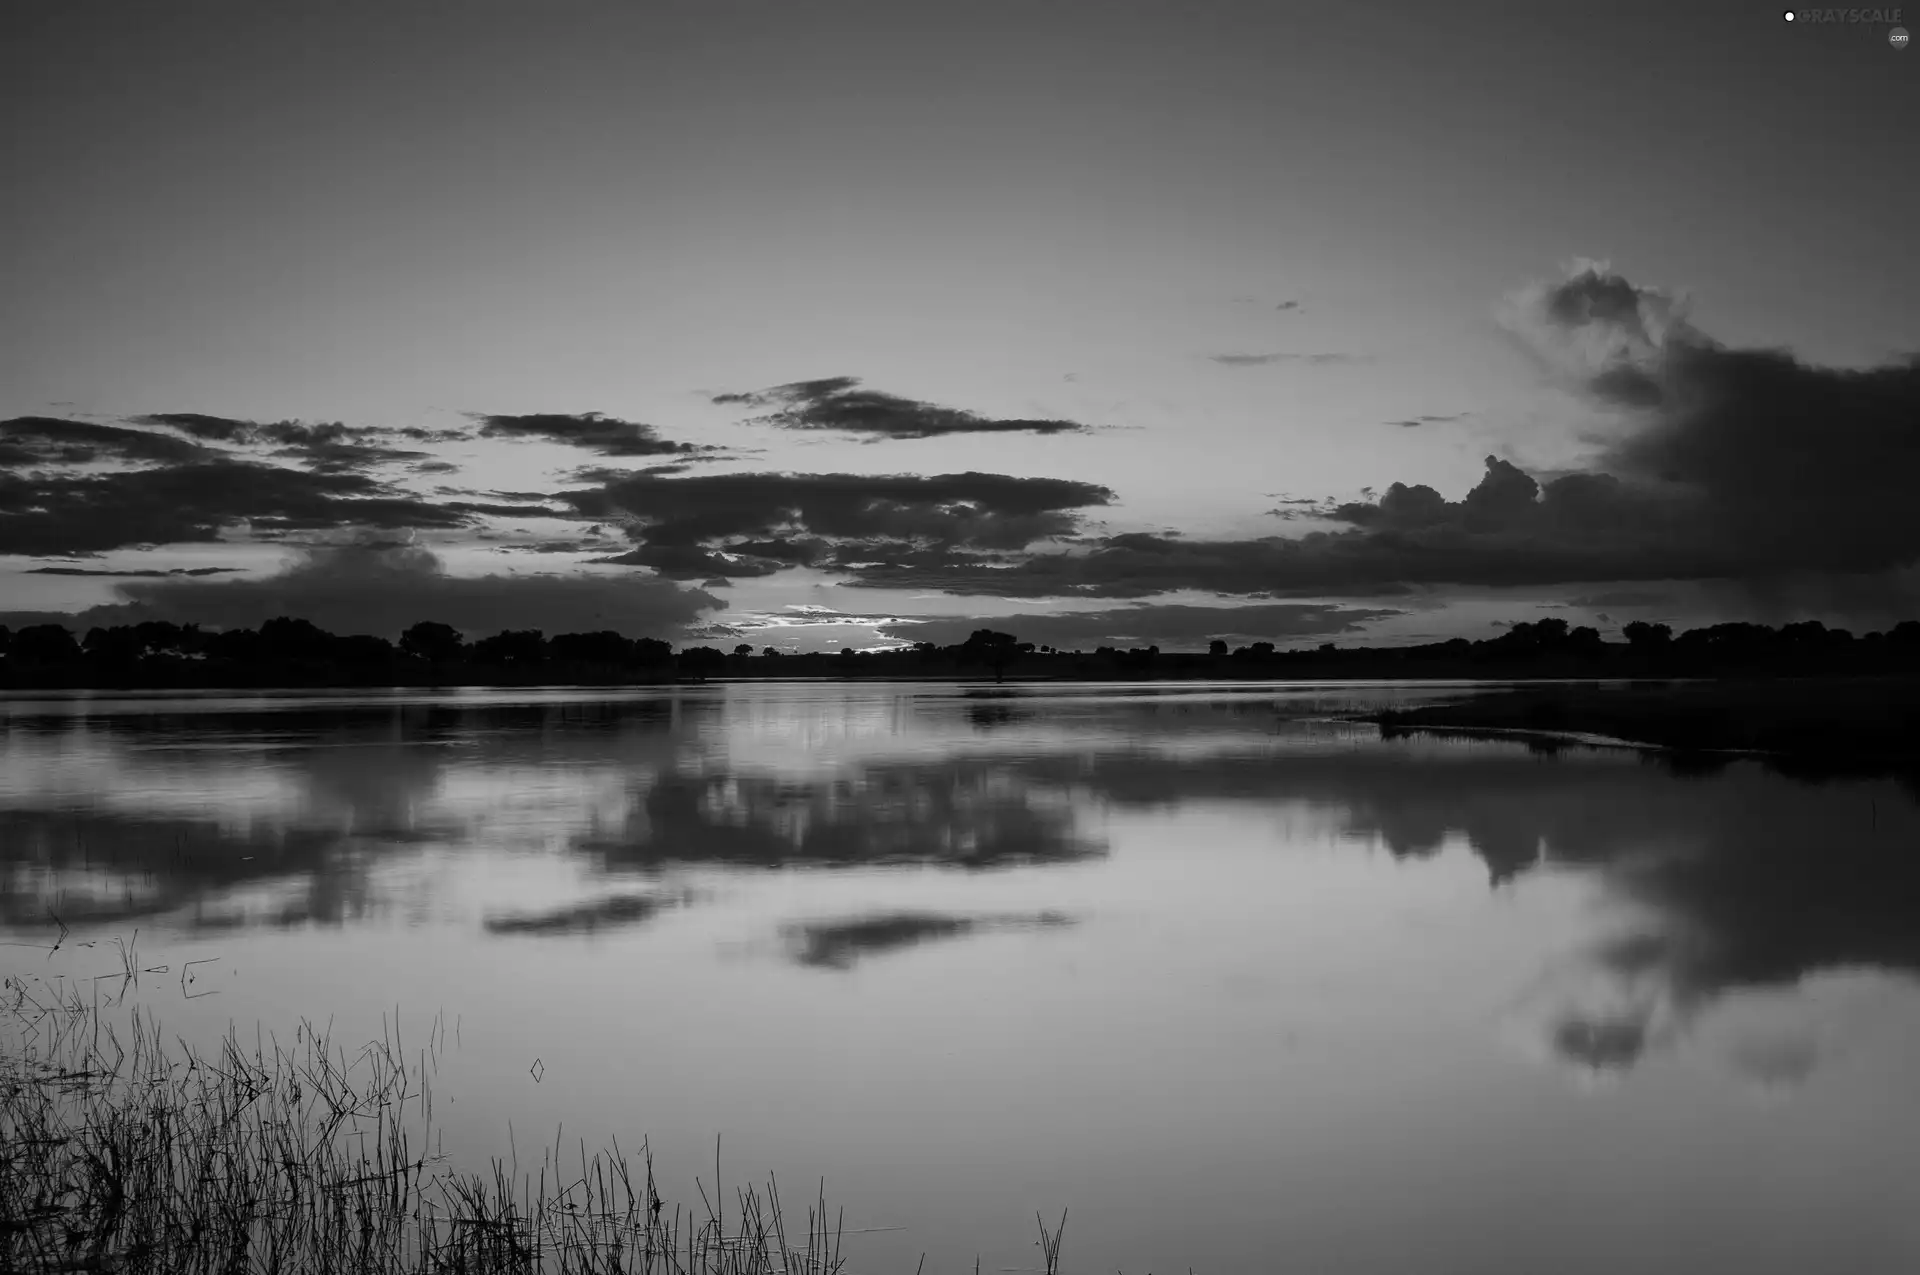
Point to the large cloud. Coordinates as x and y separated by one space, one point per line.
330 447
1172 627
56 499
1739 465
46 440
594 431
763 522
838 403
382 588
70 513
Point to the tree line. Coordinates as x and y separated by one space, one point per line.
287 650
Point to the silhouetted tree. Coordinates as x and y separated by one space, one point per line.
1646 636
699 661
512 646
117 645
363 648
44 644
431 640
651 652
284 637
1217 648
163 637
239 645
601 647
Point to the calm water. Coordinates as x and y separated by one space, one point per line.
1246 988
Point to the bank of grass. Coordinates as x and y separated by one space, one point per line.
1807 722
121 1151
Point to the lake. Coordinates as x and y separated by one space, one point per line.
1242 985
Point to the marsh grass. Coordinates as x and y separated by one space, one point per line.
122 1151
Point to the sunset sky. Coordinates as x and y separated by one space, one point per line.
818 324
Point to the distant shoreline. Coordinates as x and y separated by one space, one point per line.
1810 724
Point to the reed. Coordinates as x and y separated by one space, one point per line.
123 1151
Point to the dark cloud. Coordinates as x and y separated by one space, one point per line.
381 588
334 448
838 403
218 429
90 513
1292 510
553 546
1288 305
1749 466
1169 627
132 575
752 524
1623 598
46 440
1415 422
1260 360
328 447
506 511
594 431
1773 464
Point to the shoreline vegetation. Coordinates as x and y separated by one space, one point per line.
1801 690
1803 727
123 1152
291 652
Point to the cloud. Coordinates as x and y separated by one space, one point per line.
1261 360
552 546
1171 627
90 513
381 588
1288 305
1623 598
1749 466
49 441
594 431
506 511
1508 531
1779 465
132 575
752 524
1415 422
334 448
218 429
328 447
837 403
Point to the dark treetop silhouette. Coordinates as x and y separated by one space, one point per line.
291 651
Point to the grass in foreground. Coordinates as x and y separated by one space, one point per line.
120 1152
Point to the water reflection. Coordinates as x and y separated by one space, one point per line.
260 813
967 812
838 944
609 913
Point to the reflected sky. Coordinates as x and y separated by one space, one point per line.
1234 875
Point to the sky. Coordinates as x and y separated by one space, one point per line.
846 324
